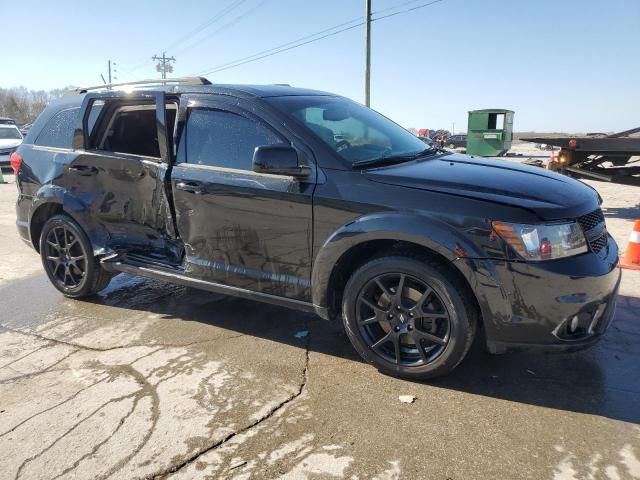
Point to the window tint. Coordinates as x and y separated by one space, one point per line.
58 132
224 139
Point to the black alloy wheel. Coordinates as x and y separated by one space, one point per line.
412 317
68 259
403 319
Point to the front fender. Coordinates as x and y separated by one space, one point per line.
410 227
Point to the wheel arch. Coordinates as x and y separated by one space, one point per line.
382 234
52 200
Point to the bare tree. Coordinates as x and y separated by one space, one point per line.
24 105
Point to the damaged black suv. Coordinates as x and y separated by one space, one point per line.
312 201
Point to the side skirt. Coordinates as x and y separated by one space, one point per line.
181 279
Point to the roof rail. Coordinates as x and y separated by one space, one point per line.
158 82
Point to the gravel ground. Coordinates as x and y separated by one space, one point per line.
158 381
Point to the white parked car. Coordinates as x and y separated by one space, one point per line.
10 138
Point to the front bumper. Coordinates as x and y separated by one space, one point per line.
563 305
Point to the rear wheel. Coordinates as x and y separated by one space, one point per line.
68 259
408 317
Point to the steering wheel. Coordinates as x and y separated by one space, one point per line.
341 145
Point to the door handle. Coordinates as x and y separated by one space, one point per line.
83 170
193 187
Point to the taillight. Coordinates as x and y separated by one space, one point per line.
16 160
546 249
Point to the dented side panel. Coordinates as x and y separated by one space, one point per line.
246 230
126 195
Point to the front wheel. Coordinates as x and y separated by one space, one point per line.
409 317
68 259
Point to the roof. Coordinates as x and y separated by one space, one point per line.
492 110
201 85
264 91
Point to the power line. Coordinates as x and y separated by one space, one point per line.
307 37
195 31
311 38
291 43
236 3
229 8
219 29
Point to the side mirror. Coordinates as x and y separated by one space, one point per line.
279 160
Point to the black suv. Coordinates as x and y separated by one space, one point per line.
312 201
456 141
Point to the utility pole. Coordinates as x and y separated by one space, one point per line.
453 129
164 64
367 65
111 72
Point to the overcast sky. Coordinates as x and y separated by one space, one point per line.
562 65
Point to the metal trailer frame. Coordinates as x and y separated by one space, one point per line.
584 156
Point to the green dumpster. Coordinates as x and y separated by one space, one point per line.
489 132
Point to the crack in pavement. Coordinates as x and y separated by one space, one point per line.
146 390
24 356
39 372
119 347
194 456
66 400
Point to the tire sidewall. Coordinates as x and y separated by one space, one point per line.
461 327
90 268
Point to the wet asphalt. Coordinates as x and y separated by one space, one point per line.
151 380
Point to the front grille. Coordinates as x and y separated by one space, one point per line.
594 230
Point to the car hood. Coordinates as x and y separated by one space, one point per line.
9 142
550 195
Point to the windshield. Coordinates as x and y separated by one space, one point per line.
355 132
10 133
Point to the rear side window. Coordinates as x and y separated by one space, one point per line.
58 132
224 139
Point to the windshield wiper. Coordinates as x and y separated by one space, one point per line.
391 159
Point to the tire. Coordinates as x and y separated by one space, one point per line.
452 146
450 316
70 266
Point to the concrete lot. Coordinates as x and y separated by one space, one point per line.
153 380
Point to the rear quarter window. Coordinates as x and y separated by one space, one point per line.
58 131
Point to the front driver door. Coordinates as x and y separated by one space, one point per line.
240 228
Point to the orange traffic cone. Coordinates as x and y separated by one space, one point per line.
631 257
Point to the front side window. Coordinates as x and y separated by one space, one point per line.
224 139
353 131
58 132
11 133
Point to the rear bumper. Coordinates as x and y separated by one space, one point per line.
562 305
23 209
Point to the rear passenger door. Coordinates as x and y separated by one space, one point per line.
240 228
120 168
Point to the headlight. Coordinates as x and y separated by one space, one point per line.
543 242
